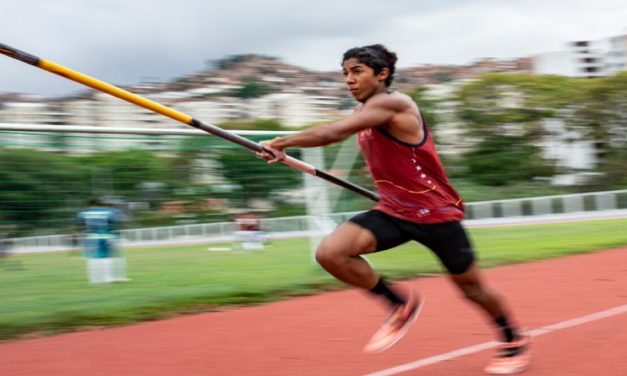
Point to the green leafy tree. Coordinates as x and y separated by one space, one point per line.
501 160
501 104
256 124
254 178
190 152
251 88
503 114
427 105
125 172
39 190
599 114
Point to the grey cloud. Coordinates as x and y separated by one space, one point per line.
123 41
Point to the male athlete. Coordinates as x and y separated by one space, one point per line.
417 203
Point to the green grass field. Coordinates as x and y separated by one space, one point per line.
43 294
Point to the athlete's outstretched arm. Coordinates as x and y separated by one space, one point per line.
376 112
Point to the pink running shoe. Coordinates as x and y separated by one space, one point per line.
396 325
511 358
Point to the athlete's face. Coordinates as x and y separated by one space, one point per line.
361 80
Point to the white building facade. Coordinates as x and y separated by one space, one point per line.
585 59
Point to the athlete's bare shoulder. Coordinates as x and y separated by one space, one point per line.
405 124
398 102
406 100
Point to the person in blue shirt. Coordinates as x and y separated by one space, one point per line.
99 224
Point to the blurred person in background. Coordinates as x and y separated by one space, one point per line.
99 225
248 231
417 203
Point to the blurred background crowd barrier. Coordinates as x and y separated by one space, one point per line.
596 205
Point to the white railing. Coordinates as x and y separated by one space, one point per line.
544 205
596 205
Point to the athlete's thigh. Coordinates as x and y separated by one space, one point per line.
385 229
451 245
348 239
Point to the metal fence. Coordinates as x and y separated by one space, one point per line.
534 206
610 204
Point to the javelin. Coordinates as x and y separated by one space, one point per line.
86 80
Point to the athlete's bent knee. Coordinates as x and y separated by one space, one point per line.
461 263
326 257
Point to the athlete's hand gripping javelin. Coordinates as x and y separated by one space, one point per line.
271 153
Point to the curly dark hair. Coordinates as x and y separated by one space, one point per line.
376 56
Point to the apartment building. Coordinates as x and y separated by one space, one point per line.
616 57
295 109
585 59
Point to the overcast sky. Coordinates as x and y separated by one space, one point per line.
130 41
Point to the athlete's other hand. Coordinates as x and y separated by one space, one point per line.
271 153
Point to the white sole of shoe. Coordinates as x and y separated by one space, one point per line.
374 348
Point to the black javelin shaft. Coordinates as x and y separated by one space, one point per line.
176 115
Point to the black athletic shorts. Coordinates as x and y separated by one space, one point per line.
447 240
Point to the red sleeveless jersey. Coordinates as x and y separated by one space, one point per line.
410 178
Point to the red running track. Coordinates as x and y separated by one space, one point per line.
323 335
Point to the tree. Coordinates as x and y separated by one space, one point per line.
599 114
614 162
256 124
501 160
428 106
504 114
502 104
191 150
40 190
124 172
253 177
251 88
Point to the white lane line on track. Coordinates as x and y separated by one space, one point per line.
488 345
